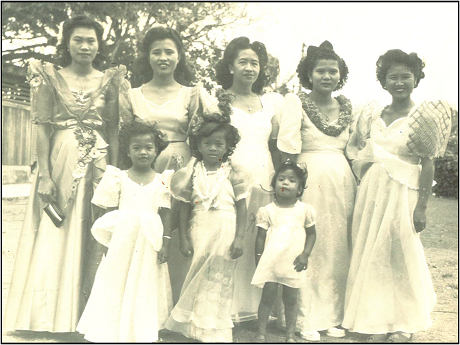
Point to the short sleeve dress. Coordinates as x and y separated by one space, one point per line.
45 292
131 297
389 285
203 310
284 242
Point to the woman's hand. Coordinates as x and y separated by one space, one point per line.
163 254
419 219
301 262
236 249
47 190
185 247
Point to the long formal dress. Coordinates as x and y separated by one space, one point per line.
203 311
389 285
173 118
252 152
284 242
131 296
331 189
45 292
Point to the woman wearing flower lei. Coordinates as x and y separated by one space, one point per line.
314 129
390 293
76 111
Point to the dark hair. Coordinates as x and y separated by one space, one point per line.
137 128
81 21
210 126
223 75
143 72
306 65
398 57
301 174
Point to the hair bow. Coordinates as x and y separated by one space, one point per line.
313 50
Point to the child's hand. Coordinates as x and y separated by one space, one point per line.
301 262
236 249
185 247
163 254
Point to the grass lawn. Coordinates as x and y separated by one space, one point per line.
440 241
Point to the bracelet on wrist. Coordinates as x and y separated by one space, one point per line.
258 254
168 237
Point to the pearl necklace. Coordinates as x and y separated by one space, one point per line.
249 108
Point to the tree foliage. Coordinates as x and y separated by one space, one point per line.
201 24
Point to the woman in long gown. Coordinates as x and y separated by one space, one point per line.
314 129
165 99
389 291
241 74
76 110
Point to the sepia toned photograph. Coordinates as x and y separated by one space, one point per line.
230 172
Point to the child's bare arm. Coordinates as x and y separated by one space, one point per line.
236 250
165 215
260 243
301 262
184 214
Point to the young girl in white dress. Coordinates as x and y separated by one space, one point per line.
286 235
212 194
131 297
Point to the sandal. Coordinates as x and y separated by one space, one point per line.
377 338
399 337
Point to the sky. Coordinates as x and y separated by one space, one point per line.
360 33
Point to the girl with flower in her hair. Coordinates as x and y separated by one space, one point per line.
162 94
131 297
241 73
76 111
285 238
212 194
390 293
314 129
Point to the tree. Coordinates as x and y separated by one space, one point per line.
200 24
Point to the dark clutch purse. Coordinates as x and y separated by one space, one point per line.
55 213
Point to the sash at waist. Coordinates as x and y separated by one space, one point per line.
398 169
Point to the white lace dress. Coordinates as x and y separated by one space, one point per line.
131 297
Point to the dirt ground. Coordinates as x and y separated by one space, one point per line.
440 241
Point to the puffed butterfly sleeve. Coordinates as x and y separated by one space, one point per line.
42 96
429 129
262 218
360 129
289 137
201 102
107 193
164 199
239 177
310 216
113 78
277 101
181 182
125 107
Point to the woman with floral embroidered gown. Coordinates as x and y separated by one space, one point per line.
241 74
390 294
77 115
314 129
165 98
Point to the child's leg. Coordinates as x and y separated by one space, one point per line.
268 297
290 308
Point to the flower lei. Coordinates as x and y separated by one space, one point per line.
209 194
313 112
